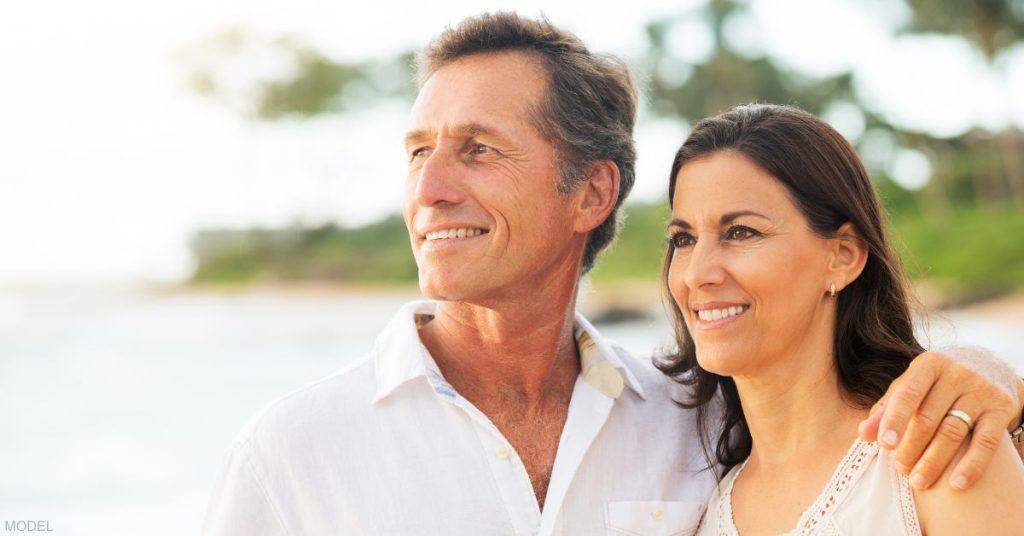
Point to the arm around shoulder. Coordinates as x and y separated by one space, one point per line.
239 503
990 506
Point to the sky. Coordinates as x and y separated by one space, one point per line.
108 161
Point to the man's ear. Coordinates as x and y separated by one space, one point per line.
596 195
849 254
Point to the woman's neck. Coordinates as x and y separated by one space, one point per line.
797 410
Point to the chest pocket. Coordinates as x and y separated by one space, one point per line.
652 518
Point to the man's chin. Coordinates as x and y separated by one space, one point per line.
443 288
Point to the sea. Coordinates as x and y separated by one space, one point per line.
117 404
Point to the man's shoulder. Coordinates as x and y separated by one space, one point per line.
336 398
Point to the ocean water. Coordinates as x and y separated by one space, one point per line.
116 406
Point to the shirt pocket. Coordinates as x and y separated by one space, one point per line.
652 518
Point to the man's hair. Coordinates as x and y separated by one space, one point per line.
588 112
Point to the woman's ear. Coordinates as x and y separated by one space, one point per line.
849 254
597 195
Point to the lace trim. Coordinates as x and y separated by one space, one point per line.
726 524
908 508
846 474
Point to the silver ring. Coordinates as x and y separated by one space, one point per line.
962 416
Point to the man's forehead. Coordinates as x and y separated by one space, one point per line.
469 89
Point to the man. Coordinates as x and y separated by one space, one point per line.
496 409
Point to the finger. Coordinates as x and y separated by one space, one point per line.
926 420
868 428
988 432
949 437
905 399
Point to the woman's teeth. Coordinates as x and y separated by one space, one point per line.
708 315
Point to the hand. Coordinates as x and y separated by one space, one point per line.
911 416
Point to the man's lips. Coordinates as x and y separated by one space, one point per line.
451 231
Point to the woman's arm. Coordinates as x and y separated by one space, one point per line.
993 505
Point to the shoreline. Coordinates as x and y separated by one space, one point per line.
1008 308
602 301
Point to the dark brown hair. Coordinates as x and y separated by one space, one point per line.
588 112
874 337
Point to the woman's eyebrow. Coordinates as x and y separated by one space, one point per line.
731 216
726 218
676 222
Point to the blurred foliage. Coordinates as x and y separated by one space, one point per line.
317 91
976 250
992 25
283 77
375 253
963 226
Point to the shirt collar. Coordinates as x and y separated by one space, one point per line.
400 356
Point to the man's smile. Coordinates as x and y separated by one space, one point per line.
459 232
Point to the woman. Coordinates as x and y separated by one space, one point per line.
789 300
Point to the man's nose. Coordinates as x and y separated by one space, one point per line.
704 267
439 180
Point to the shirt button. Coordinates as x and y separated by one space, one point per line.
502 452
658 514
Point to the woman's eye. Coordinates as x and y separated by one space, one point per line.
682 240
740 232
418 153
481 149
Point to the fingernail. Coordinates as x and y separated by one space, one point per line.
917 480
890 439
959 482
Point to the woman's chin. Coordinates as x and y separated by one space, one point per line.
720 364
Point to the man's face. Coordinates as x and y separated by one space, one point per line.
484 216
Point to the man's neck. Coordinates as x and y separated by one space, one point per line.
525 350
517 363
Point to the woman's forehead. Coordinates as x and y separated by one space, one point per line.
727 182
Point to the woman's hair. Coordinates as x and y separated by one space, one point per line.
874 337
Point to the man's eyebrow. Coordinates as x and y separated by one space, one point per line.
471 130
726 218
466 130
414 136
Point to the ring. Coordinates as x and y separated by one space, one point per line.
962 416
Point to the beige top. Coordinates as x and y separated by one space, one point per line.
866 495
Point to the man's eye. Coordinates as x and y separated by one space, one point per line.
418 153
682 240
740 232
482 149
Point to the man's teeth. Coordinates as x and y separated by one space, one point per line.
708 315
454 233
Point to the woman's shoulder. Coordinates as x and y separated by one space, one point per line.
880 501
990 506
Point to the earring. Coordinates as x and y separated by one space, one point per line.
832 289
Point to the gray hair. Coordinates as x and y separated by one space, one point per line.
588 113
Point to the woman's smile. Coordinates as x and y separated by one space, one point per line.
714 315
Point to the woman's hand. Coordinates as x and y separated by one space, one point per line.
912 416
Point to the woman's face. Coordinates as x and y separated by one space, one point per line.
748 273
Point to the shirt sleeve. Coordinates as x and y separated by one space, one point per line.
240 504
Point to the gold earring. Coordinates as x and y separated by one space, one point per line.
832 289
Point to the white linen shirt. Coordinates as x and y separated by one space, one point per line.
387 447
